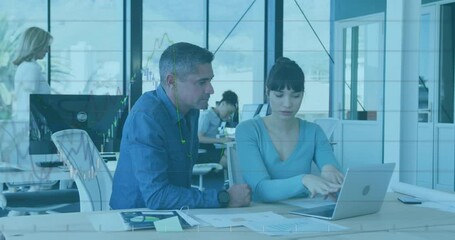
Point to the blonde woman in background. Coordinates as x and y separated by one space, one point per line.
34 45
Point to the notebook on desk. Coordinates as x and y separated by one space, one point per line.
363 192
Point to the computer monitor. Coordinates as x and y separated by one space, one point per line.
101 116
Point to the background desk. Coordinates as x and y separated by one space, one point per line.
394 221
35 174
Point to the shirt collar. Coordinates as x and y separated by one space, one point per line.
170 107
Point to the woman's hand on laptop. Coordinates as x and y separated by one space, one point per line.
318 185
331 174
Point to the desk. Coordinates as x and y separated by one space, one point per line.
34 174
394 221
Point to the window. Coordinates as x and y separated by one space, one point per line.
239 60
165 23
87 52
301 44
14 19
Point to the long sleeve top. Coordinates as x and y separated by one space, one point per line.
27 80
270 178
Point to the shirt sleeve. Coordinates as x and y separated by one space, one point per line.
28 78
204 122
151 165
248 137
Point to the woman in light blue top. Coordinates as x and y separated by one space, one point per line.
275 152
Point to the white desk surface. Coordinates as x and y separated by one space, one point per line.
394 221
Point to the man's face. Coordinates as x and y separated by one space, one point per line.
193 92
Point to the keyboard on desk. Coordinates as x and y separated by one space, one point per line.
49 164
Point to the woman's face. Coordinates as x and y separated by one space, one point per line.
226 110
285 103
42 54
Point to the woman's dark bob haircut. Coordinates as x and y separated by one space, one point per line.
285 73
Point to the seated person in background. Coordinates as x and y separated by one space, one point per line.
159 142
275 152
209 124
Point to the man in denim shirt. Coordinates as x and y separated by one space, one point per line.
159 142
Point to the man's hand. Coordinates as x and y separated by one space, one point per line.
318 185
240 195
331 174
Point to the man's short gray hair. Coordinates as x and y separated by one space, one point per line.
181 59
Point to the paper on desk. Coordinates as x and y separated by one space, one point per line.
234 220
171 224
309 202
293 226
107 222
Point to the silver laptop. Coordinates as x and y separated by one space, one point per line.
362 193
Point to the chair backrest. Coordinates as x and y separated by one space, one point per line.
250 111
264 110
92 177
328 125
234 172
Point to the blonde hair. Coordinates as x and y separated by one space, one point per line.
32 42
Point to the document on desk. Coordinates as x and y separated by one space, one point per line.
235 220
293 226
309 202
